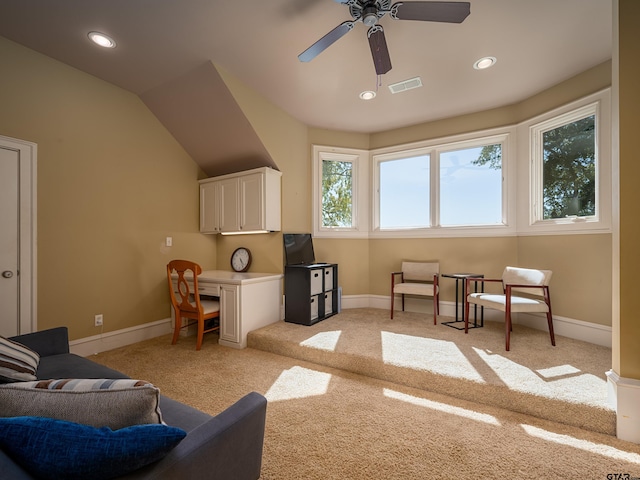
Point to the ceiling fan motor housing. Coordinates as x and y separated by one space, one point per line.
369 11
370 15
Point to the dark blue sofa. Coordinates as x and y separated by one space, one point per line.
227 446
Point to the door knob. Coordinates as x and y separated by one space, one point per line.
7 274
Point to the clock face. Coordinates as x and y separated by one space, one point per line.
241 259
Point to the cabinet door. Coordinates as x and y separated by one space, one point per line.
229 313
228 209
209 207
252 208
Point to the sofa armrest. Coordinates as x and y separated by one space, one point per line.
11 470
229 446
53 341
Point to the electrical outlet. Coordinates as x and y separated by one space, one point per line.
98 320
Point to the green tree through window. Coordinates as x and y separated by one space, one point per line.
568 168
337 194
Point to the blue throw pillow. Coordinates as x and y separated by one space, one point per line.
57 449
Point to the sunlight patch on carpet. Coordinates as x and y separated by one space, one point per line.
442 407
559 371
573 387
587 446
428 354
298 382
323 341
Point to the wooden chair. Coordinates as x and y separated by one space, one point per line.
533 283
186 301
417 278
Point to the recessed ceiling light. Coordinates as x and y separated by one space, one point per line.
367 95
485 62
102 39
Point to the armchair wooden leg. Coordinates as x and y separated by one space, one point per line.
507 324
435 310
392 298
550 322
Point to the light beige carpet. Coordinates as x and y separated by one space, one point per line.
565 383
325 423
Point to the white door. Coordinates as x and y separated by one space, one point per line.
17 237
9 241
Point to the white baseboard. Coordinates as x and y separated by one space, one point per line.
624 396
566 327
108 341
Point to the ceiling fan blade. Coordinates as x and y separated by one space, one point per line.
325 42
379 49
449 12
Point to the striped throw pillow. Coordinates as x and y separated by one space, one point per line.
113 403
17 362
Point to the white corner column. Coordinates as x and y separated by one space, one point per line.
624 396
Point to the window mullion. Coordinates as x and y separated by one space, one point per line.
434 171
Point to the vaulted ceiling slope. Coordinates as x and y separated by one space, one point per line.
201 113
168 44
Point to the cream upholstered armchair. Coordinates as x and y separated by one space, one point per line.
417 278
534 284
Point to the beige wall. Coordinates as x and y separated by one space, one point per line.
581 265
112 184
626 359
487 256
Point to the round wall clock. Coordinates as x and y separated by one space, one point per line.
241 259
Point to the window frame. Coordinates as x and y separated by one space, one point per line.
434 148
517 182
530 213
360 176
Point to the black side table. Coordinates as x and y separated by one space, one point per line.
461 278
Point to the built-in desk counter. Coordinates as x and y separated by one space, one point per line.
248 301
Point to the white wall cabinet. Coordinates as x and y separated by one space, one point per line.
241 202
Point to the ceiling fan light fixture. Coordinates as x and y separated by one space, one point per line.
370 15
368 95
101 39
484 62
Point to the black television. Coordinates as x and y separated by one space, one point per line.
298 249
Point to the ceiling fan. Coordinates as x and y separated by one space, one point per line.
370 12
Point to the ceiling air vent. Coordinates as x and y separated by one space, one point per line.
406 85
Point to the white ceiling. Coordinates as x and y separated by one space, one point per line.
538 43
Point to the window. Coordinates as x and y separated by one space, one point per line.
471 186
404 192
456 185
569 169
340 192
564 168
337 193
